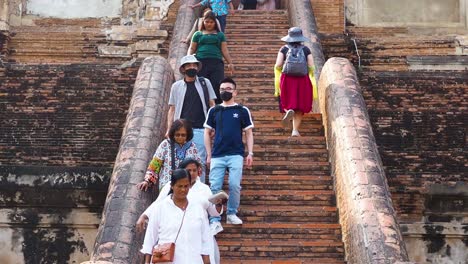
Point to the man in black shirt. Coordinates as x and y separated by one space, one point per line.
190 98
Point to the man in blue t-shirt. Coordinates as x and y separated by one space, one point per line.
228 120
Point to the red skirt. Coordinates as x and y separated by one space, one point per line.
296 93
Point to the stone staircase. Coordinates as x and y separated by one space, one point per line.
287 202
58 41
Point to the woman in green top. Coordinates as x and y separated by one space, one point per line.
209 46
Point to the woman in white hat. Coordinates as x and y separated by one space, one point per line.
294 70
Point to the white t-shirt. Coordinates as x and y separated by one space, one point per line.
194 239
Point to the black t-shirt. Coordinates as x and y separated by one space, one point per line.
192 109
285 50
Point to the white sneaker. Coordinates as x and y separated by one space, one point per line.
216 227
233 220
295 133
286 122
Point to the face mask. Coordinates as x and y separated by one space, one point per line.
191 72
226 96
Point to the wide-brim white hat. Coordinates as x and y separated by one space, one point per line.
189 59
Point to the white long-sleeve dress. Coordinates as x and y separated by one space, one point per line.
200 193
194 239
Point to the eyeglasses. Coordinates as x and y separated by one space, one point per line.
180 135
227 89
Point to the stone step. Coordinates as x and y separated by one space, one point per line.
256 248
291 260
38 42
276 126
41 32
272 36
273 116
297 156
236 23
268 214
319 183
288 202
255 47
279 231
243 69
58 53
288 197
56 50
250 24
255 32
297 142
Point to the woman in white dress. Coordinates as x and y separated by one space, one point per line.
194 241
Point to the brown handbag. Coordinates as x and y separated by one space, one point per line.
165 252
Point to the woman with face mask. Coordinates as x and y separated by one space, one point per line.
209 46
179 145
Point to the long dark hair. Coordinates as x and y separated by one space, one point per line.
179 174
210 15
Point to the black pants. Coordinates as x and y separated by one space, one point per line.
213 70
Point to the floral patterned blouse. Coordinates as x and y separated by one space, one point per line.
160 166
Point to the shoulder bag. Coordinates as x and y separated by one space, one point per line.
165 252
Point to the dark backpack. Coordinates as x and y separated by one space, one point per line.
205 91
296 61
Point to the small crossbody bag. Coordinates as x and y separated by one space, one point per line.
165 252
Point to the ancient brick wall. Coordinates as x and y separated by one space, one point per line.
419 121
329 15
420 126
69 115
418 118
60 130
3 46
168 25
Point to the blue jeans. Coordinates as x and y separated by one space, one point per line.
222 22
217 171
199 140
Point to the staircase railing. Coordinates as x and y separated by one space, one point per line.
117 241
357 52
370 229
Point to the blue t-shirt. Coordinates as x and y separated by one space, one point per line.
219 7
228 123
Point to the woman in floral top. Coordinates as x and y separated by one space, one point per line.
180 136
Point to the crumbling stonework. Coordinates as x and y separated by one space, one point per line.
61 127
329 16
50 214
144 129
414 83
370 229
